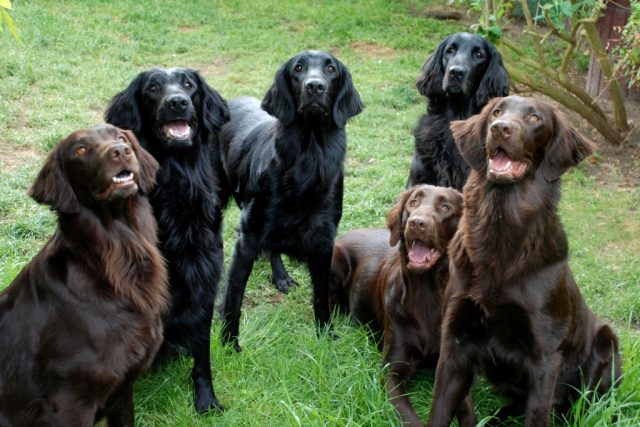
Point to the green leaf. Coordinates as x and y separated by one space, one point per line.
12 27
566 8
5 4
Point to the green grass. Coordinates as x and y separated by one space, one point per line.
76 55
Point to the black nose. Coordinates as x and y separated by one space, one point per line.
501 128
456 72
315 86
178 103
119 152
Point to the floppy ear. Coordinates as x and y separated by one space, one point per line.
394 217
278 101
470 136
123 110
215 110
148 164
347 103
429 81
52 187
495 80
565 150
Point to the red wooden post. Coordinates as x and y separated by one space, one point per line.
609 26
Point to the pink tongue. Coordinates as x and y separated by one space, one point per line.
500 160
178 129
419 253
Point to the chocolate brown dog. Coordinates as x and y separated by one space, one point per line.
394 281
513 311
83 319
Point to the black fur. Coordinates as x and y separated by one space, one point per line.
177 116
458 79
285 167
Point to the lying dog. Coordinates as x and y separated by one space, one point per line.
83 319
395 281
513 311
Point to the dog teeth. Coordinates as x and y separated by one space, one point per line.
123 179
505 168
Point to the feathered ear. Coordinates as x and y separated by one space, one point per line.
52 187
495 80
347 103
148 164
123 110
565 150
215 108
470 136
394 217
278 101
429 82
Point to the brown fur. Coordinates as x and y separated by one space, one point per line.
82 320
374 278
513 311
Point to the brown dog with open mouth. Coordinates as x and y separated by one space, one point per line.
394 281
82 320
513 311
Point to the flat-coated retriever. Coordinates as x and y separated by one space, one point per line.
513 311
285 167
458 79
177 116
394 281
82 320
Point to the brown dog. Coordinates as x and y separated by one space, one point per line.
513 311
83 318
394 281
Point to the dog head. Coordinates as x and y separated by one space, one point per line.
103 165
514 138
313 85
170 106
424 220
464 67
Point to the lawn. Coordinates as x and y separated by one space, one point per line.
75 55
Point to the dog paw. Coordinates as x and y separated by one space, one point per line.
284 285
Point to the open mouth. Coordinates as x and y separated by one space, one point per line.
124 179
503 166
421 256
177 130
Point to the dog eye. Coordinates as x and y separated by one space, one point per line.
478 54
122 139
298 68
497 112
81 150
187 84
445 207
152 87
413 203
450 49
331 69
534 118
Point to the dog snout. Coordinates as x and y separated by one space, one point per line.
178 103
119 152
315 86
420 224
501 129
457 72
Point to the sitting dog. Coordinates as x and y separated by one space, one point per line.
82 320
394 281
513 311
458 79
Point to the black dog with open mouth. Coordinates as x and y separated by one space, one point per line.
177 116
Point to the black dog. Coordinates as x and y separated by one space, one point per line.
176 116
286 172
463 74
